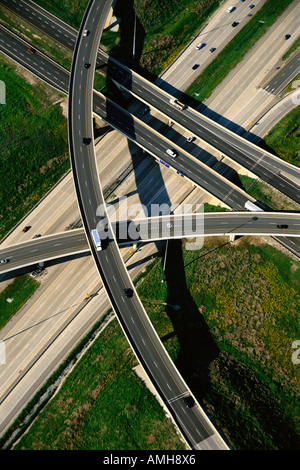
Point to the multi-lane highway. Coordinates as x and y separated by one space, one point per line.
248 155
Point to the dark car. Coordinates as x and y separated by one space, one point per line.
145 111
282 226
189 401
128 292
251 6
287 36
86 140
235 23
87 66
37 235
212 49
195 66
25 229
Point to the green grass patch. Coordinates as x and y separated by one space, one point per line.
34 145
169 26
265 194
103 405
212 208
236 49
293 48
70 11
283 138
14 296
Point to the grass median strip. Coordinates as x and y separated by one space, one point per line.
236 49
14 296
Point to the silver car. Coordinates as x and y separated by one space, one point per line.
172 153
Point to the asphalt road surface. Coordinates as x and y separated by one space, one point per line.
73 242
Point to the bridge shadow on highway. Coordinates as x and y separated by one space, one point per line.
197 347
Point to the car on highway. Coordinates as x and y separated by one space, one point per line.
25 229
287 36
145 111
172 153
85 32
189 401
200 45
31 50
4 261
235 23
230 9
87 66
251 6
37 235
128 292
191 138
212 49
282 226
86 140
195 66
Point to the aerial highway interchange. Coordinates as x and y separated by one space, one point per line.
80 115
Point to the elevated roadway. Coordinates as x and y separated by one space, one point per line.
61 245
263 164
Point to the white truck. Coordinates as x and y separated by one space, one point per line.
177 104
253 207
97 239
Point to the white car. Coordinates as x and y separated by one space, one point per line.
230 9
172 153
3 261
199 46
85 32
